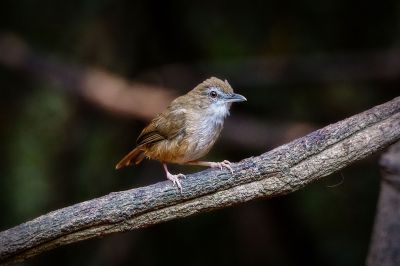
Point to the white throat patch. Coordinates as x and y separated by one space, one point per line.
217 112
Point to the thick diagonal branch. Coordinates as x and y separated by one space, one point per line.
277 172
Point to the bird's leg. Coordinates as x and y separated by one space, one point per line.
220 165
174 178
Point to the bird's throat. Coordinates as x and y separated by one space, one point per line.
216 113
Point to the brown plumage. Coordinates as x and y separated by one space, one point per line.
187 129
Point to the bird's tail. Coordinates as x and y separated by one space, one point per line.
136 156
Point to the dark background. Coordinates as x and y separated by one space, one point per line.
58 149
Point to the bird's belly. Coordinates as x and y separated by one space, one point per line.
200 145
172 151
201 140
189 146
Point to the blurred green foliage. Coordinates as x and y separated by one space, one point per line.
34 143
58 149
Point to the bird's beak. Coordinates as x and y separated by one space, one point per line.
234 97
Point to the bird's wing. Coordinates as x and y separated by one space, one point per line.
149 135
167 125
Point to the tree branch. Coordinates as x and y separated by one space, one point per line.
385 243
277 172
117 95
108 91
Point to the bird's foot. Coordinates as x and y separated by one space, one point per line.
221 165
175 179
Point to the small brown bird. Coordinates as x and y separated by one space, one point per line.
187 129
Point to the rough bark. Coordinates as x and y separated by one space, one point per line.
385 244
277 172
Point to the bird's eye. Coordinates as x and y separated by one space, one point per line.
213 94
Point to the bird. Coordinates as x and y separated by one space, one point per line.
187 129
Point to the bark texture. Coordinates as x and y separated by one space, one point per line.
277 172
385 244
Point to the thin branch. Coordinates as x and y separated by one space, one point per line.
277 172
385 243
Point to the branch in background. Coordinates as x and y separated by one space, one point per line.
274 173
115 94
133 99
385 243
99 87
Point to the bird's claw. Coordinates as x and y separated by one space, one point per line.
175 179
221 165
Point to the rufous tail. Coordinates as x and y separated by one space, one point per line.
136 156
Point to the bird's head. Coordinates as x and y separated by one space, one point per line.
215 95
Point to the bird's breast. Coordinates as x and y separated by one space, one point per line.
202 133
201 130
